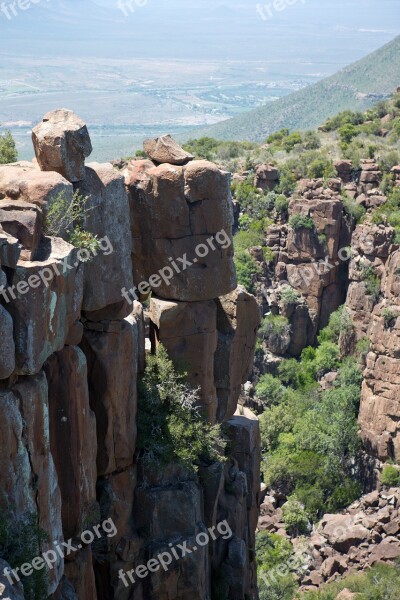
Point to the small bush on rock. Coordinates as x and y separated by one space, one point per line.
170 426
390 476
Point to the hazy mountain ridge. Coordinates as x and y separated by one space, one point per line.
355 87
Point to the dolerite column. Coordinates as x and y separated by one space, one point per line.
181 219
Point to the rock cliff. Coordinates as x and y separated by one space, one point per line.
72 352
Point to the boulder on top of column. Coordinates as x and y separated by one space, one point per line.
181 223
61 142
166 150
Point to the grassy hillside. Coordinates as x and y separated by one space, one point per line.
356 87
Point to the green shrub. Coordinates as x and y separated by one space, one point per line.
347 133
170 426
295 517
288 295
352 209
310 437
272 550
281 204
8 151
340 323
67 219
269 389
390 476
20 542
273 325
298 221
268 254
321 167
246 269
326 358
372 281
389 316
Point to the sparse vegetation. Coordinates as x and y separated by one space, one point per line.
8 151
20 542
66 219
171 428
298 222
390 476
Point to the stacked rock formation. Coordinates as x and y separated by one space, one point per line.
307 259
71 352
266 177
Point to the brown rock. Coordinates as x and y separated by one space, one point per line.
346 594
112 374
165 150
81 575
62 143
189 333
108 219
24 222
23 181
387 550
13 592
332 565
44 312
29 481
238 318
72 438
266 177
182 213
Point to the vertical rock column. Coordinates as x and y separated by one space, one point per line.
181 218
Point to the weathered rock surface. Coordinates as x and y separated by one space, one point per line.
7 346
238 318
44 302
72 438
112 358
24 222
10 250
166 150
62 143
107 273
181 226
188 330
28 484
266 177
23 181
355 540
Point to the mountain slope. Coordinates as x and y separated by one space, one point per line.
356 87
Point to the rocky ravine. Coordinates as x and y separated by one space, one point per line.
71 352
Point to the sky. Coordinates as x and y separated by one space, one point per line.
337 32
